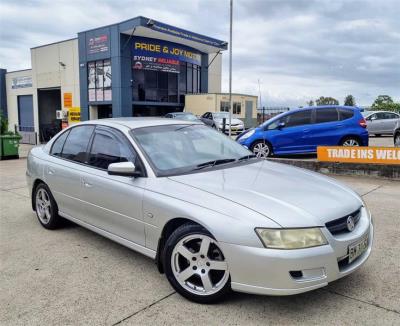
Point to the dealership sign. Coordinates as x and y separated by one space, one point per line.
152 54
21 82
374 155
98 44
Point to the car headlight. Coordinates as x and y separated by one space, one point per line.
291 238
248 134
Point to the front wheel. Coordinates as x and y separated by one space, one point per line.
350 141
195 265
261 149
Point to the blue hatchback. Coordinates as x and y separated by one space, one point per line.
302 130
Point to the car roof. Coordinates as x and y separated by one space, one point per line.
137 122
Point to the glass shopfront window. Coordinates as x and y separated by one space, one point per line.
160 86
99 81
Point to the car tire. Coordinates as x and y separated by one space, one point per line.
46 207
397 140
195 265
261 149
350 141
378 135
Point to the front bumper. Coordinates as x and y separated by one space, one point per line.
268 271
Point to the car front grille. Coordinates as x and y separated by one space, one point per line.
340 225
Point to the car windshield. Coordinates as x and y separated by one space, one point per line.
221 115
178 149
366 113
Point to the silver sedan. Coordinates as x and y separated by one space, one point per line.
213 217
381 122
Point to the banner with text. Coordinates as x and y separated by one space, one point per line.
158 55
373 155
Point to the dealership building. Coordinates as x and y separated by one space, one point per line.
139 67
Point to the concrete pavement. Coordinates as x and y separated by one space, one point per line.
72 276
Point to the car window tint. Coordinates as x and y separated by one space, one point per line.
380 115
389 115
57 147
107 148
345 114
326 115
76 144
298 118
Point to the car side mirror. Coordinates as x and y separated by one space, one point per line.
281 125
372 118
124 169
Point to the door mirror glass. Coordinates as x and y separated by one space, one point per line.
125 169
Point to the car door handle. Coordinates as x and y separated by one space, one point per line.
306 130
50 171
86 184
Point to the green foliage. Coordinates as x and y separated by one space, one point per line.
385 103
310 103
326 101
350 100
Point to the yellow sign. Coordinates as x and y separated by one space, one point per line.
67 100
374 155
74 115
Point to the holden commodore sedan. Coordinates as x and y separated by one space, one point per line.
212 216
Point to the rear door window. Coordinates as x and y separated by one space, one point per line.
326 115
298 119
76 144
389 115
345 114
58 145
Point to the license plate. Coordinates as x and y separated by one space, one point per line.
357 249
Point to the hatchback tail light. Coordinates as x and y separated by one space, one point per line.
363 123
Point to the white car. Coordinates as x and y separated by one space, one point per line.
381 122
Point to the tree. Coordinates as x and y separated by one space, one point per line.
381 100
326 101
385 103
310 103
349 100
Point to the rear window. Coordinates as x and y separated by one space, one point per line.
326 115
345 114
76 144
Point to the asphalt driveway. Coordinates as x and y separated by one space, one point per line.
73 276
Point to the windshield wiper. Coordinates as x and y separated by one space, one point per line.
247 157
213 163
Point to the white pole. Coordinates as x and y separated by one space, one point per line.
230 69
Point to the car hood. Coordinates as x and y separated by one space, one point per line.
290 196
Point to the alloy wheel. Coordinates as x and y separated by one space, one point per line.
397 141
351 142
261 150
198 265
43 206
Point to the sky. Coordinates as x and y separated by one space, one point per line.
296 50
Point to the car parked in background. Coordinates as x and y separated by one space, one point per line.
302 130
186 116
381 122
396 134
213 217
215 120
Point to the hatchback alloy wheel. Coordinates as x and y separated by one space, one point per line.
351 142
261 150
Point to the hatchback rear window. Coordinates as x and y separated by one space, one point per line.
326 115
345 114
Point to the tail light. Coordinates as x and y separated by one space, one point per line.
363 123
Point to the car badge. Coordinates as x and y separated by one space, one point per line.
350 223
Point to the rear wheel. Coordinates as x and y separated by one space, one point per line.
350 141
261 149
397 140
195 265
46 207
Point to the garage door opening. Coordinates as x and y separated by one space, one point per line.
100 112
49 101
